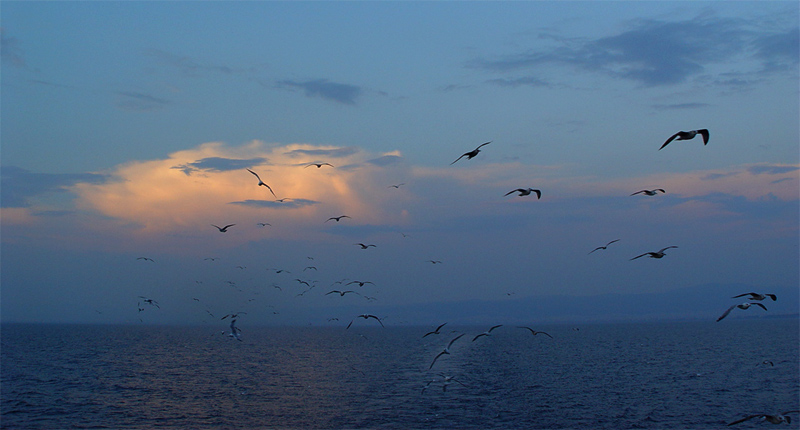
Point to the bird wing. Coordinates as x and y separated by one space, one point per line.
772 296
634 258
599 247
440 327
255 174
334 291
494 327
455 339
664 249
538 194
704 133
541 332
723 316
476 337
270 190
745 419
483 144
615 240
462 156
436 358
742 295
514 191
759 304
638 192
668 141
351 323
531 330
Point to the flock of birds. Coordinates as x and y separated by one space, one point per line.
235 332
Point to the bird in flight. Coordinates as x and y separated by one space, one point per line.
396 186
360 283
434 261
772 419
223 229
212 258
341 293
534 332
446 350
363 246
757 296
604 247
657 254
526 192
487 332
319 165
649 192
150 302
337 218
234 316
260 182
146 259
741 306
472 153
235 330
435 331
365 316
687 135
263 224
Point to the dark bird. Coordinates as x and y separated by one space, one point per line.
657 254
365 316
757 296
446 350
773 419
213 258
472 153
649 192
604 247
263 224
309 268
223 229
342 293
303 282
146 259
337 218
487 332
260 182
150 302
234 316
435 261
687 135
526 192
360 283
741 306
235 330
318 165
435 331
534 332
364 246
396 186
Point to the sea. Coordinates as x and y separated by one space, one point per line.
653 375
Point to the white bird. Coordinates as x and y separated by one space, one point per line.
604 247
487 332
773 419
260 182
745 305
657 254
235 330
446 350
472 153
526 192
435 331
223 229
650 192
687 135
757 296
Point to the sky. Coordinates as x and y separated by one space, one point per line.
128 129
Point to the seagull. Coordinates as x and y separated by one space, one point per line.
472 153
745 305
434 261
213 258
150 302
318 165
446 350
687 135
649 192
303 282
309 267
604 247
223 229
263 224
657 254
260 182
435 331
773 419
234 316
448 379
146 259
526 192
396 186
487 332
341 293
364 246
534 332
365 316
235 330
337 218
757 296
360 283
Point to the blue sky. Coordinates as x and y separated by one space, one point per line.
127 129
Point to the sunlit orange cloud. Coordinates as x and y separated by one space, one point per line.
192 189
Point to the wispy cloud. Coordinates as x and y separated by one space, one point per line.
135 101
190 66
680 106
527 81
333 91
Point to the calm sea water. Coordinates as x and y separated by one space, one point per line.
698 375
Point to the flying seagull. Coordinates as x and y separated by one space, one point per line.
435 331
260 182
223 229
534 332
446 350
360 283
235 330
234 316
146 259
150 302
364 246
687 135
757 296
263 224
472 153
649 192
773 419
365 316
434 261
745 305
604 247
657 254
319 165
396 186
337 218
487 332
341 293
526 192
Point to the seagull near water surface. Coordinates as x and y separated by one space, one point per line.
657 254
446 350
365 316
260 182
534 332
487 332
435 331
772 419
472 153
687 135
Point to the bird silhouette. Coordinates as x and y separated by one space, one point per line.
319 165
223 229
604 247
743 306
260 182
687 135
472 153
526 192
657 254
337 218
649 192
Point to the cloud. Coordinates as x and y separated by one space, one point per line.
527 81
219 164
10 51
288 204
141 102
681 106
341 93
655 52
772 169
188 65
20 186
